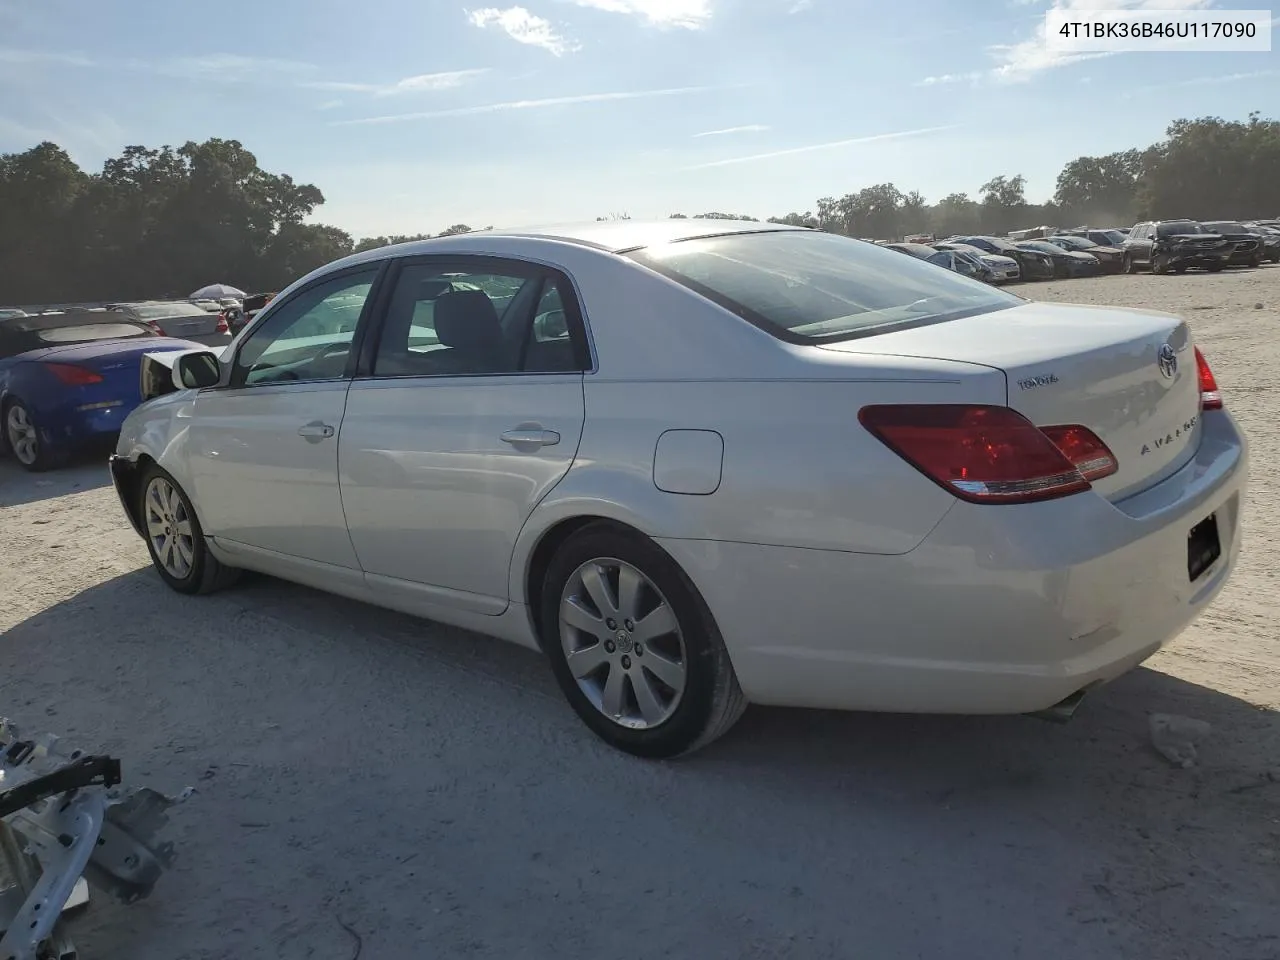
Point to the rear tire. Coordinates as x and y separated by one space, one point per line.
612 651
23 440
1127 265
174 537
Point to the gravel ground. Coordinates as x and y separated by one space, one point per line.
371 785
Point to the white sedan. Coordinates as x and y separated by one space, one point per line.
701 464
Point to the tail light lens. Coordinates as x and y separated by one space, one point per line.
989 454
155 328
222 326
1210 395
73 376
1084 449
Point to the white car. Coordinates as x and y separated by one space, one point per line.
701 464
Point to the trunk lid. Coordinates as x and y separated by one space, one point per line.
1099 367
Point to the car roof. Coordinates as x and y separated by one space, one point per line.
613 236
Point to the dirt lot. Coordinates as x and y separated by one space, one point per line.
368 784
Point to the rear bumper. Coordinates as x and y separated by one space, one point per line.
1000 610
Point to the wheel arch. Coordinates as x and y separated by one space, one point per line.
544 550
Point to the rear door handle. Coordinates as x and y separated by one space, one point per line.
316 431
531 435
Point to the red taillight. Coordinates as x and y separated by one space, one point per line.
222 326
983 454
1084 449
72 375
1210 395
155 328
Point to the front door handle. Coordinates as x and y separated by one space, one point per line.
316 431
531 435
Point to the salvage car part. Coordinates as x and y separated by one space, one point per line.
64 822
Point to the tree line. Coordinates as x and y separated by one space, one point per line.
162 222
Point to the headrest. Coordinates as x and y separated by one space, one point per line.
466 319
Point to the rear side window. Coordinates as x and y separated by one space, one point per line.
806 286
510 318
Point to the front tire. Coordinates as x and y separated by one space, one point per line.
1127 265
174 538
634 647
23 440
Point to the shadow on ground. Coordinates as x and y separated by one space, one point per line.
19 486
429 790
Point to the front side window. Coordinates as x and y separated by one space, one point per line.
307 338
443 321
808 286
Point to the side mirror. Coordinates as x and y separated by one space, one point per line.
196 370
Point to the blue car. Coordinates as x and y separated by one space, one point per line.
69 379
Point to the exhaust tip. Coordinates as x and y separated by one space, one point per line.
1063 710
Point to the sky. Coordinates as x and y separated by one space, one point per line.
412 115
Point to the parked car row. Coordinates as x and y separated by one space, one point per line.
1049 253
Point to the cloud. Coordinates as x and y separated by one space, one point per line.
690 14
22 57
423 83
1019 62
527 105
813 148
800 6
523 27
224 66
1203 81
1022 61
749 128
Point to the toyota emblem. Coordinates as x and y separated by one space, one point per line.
1168 361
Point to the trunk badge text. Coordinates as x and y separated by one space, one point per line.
1032 382
1169 438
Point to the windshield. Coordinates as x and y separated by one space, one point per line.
163 311
1074 243
810 286
1178 227
1043 246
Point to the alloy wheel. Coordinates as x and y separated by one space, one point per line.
623 643
169 528
24 441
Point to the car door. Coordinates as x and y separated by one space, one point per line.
264 446
1138 246
466 412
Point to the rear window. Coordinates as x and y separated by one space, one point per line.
162 311
89 332
1176 227
808 286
